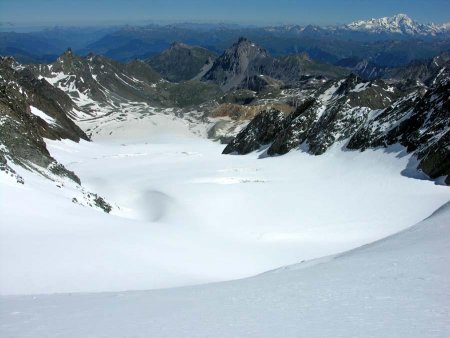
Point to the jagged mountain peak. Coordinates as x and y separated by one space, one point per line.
237 64
246 45
68 54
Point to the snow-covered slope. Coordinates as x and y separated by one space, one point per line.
397 287
184 214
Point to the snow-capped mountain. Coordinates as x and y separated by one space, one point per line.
398 24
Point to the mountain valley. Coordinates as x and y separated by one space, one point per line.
256 179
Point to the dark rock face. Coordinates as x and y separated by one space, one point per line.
296 130
181 62
261 131
22 133
368 115
420 123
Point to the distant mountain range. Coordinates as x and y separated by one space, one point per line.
386 41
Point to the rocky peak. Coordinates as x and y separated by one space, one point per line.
239 62
178 45
67 59
304 56
245 47
68 54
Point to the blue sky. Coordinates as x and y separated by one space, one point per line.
258 12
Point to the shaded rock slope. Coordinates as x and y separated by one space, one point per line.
23 101
31 109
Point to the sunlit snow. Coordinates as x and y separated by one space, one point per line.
186 214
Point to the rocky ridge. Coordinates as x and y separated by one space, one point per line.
31 109
362 114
